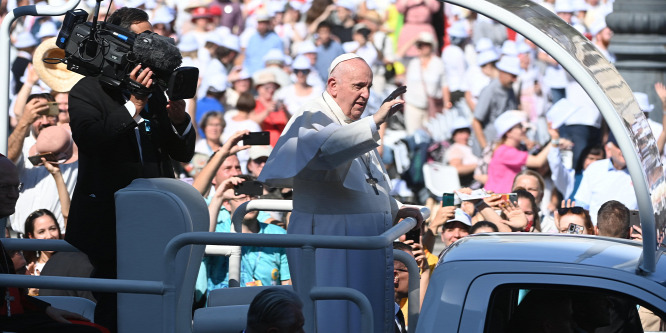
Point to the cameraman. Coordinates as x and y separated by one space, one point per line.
121 136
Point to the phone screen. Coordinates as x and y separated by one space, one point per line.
37 159
257 138
447 199
250 187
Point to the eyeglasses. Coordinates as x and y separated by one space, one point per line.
574 210
401 269
18 187
301 71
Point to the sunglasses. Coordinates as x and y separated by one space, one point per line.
574 210
302 71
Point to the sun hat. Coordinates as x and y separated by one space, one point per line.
301 62
256 152
264 76
54 75
47 29
188 43
508 120
509 64
25 39
486 56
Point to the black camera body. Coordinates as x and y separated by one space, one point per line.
110 53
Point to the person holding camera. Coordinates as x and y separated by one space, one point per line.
121 136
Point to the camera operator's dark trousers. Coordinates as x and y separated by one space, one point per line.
106 310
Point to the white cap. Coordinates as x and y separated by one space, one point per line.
349 4
231 42
522 47
256 152
47 29
262 15
597 26
215 38
275 7
274 55
218 82
426 37
163 15
461 217
306 47
643 102
458 29
484 44
301 62
341 58
486 57
188 43
509 64
508 120
459 123
509 48
563 6
580 6
25 39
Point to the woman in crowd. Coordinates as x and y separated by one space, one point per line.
297 94
425 77
528 205
571 219
418 18
507 159
459 154
212 124
269 113
40 224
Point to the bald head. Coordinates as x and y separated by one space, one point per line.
9 181
349 84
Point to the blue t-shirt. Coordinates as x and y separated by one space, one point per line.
205 105
267 264
257 47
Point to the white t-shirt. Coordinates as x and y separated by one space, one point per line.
294 102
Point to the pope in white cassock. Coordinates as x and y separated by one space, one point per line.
328 155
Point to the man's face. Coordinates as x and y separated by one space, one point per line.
63 105
229 168
324 35
454 231
350 87
400 279
9 182
232 204
255 166
616 155
506 79
591 158
140 27
263 27
43 121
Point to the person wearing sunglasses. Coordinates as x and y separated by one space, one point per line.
571 219
295 95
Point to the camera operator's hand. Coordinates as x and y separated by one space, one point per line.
176 112
144 79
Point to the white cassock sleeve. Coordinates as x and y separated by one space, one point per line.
313 140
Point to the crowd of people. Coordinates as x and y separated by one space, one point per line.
479 97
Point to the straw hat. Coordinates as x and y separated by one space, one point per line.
56 76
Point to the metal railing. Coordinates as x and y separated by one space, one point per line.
167 287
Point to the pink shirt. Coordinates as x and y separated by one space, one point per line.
506 163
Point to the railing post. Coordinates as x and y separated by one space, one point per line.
307 282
